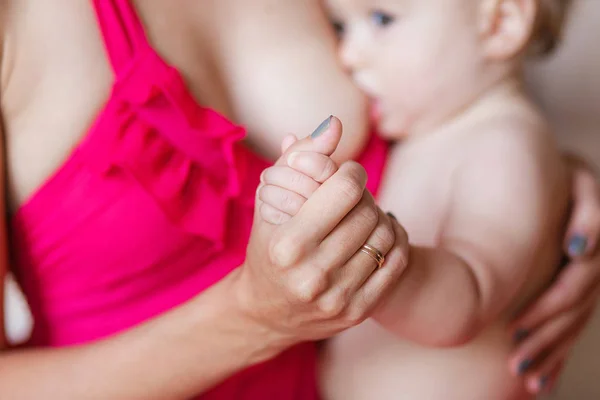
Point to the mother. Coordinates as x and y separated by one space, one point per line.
108 239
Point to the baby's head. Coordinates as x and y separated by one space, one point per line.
423 61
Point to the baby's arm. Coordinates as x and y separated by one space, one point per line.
505 212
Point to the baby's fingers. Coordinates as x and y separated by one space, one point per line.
287 142
318 167
286 201
290 179
284 189
272 215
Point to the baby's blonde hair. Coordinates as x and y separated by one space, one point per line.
549 26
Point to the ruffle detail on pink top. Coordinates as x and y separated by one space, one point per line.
193 169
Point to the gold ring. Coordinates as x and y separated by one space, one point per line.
374 254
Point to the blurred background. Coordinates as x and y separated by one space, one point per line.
573 105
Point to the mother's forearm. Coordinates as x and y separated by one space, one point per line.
176 356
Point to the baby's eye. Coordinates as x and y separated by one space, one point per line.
382 19
338 27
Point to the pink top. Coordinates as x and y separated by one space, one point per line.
153 206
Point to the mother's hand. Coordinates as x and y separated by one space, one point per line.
548 330
306 279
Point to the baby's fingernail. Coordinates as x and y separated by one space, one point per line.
520 334
392 216
321 128
524 366
291 158
577 245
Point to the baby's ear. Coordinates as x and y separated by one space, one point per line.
506 27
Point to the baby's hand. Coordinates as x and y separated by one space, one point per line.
303 167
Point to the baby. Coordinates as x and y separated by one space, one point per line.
474 177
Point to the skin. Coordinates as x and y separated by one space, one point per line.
496 272
184 40
556 319
449 182
50 98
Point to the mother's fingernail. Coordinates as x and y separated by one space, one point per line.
577 245
392 216
524 366
520 334
321 128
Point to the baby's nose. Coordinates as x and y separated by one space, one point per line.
352 53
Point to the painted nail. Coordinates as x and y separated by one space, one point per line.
520 334
577 245
524 366
543 382
392 216
321 128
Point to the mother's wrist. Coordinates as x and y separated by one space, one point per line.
251 326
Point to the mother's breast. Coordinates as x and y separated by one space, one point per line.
280 67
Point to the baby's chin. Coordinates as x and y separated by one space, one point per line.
390 128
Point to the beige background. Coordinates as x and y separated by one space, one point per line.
568 87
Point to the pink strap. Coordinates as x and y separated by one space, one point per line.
122 30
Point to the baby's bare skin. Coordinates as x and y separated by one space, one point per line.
479 184
371 362
499 152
